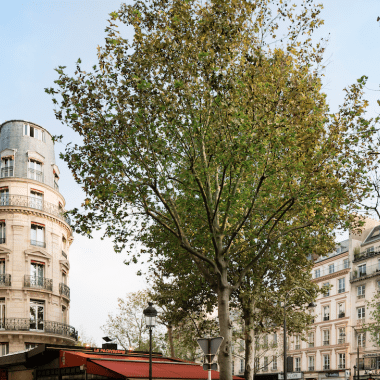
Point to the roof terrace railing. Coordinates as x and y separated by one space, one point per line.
364 271
330 270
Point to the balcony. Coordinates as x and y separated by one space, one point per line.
326 342
37 243
366 254
341 314
366 272
49 327
326 317
64 290
341 340
5 280
327 271
36 175
361 296
341 366
7 172
33 202
38 282
311 368
327 366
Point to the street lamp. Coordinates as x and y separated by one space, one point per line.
150 314
311 305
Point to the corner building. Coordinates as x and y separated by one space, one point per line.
34 242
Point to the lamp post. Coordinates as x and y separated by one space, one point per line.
150 314
311 305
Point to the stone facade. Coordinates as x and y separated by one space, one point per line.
34 242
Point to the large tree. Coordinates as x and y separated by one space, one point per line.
200 126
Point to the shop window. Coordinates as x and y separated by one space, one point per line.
32 131
7 165
35 170
37 235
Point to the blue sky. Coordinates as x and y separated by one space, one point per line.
37 36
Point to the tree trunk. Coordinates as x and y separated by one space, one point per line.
224 358
170 337
249 341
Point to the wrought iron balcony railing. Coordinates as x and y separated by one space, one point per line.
37 243
366 254
341 340
326 342
2 240
50 327
33 202
36 175
311 368
326 317
341 366
38 282
327 366
5 279
341 315
364 271
7 172
64 290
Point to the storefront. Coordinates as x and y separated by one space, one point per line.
53 362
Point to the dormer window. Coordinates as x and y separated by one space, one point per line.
32 131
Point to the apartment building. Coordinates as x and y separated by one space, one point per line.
335 341
35 237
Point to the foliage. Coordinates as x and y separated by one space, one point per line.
84 340
200 127
128 327
373 327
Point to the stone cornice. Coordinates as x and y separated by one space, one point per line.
331 275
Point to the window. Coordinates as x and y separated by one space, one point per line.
241 365
4 196
37 270
346 264
29 346
64 315
341 310
35 170
4 349
275 339
257 364
36 200
341 361
326 361
317 273
326 292
341 335
37 315
37 133
257 343
297 364
37 235
7 165
2 231
311 339
361 339
233 367
297 342
2 313
265 363
362 270
311 363
326 313
361 312
5 279
341 285
361 291
274 362
378 265
326 337
265 341
331 268
56 178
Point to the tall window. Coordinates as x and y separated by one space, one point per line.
265 341
64 315
56 179
4 279
341 310
326 337
361 291
331 268
7 165
341 285
326 287
297 364
241 365
341 335
362 270
37 133
326 361
297 342
275 339
2 232
326 313
37 315
274 362
2 313
317 273
37 270
257 364
346 264
4 196
37 235
341 361
311 339
36 200
265 363
35 170
361 312
361 339
311 363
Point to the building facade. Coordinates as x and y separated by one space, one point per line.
35 238
337 339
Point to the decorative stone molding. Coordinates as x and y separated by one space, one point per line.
64 264
6 252
38 252
8 153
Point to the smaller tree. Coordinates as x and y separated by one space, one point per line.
128 327
373 327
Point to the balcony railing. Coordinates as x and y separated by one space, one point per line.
36 175
38 282
326 317
361 296
341 315
341 290
7 172
327 271
341 340
37 243
341 366
50 327
2 240
5 279
311 368
297 369
274 367
327 366
364 255
33 202
365 272
64 290
326 342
